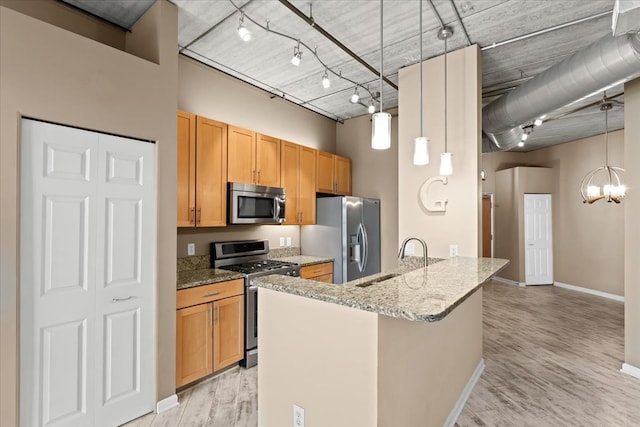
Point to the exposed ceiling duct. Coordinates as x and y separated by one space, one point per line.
605 63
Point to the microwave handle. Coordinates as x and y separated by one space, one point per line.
276 214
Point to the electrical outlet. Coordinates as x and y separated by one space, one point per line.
282 241
298 416
191 249
288 241
453 251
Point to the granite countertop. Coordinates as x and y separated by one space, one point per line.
304 260
423 295
205 276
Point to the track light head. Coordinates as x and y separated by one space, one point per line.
537 122
521 144
355 97
326 83
243 32
372 108
297 55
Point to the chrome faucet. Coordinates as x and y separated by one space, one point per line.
422 242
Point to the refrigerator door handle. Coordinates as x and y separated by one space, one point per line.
361 244
365 249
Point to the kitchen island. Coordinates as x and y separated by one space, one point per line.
393 349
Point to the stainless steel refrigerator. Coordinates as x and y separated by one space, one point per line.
348 230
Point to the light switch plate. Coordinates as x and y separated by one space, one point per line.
453 251
282 241
191 249
288 241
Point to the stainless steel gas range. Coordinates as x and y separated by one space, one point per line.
249 257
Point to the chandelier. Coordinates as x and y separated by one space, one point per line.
604 182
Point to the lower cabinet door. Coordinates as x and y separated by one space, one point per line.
228 331
193 343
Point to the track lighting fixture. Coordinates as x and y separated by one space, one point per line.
326 83
372 108
244 34
355 97
297 55
537 122
524 137
521 144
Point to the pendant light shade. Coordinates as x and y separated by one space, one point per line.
381 131
421 151
446 158
381 121
446 164
421 143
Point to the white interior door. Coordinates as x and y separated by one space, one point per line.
86 277
538 236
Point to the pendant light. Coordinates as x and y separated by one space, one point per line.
604 182
446 158
421 143
381 121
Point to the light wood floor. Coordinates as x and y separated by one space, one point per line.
552 359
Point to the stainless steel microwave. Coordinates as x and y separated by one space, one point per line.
255 204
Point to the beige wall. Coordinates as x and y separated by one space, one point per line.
374 174
330 368
52 74
511 186
588 240
210 93
632 224
460 224
202 237
378 371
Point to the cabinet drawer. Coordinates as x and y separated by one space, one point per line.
327 278
311 271
207 293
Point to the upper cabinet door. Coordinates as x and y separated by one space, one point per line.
289 180
211 166
343 175
307 185
268 161
241 159
186 153
325 173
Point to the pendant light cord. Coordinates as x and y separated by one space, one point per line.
606 136
445 95
381 53
421 60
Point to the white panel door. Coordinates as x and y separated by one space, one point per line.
63 235
124 279
538 236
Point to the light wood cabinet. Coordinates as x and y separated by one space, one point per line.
194 345
253 158
298 177
209 329
319 272
201 171
228 331
333 174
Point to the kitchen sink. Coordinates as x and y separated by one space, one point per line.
377 280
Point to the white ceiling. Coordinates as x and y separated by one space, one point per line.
208 33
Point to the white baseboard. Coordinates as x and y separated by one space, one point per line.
167 403
459 406
607 295
508 281
630 370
